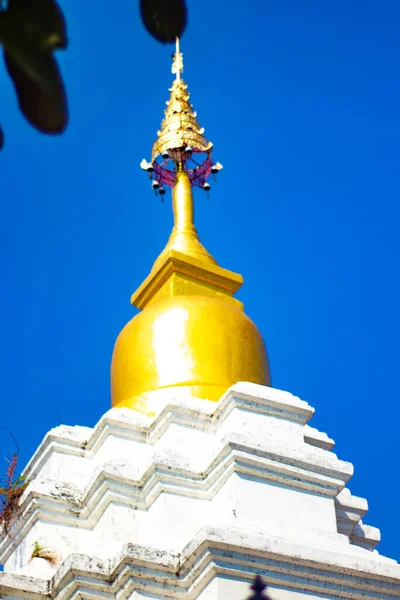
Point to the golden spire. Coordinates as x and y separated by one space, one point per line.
184 237
181 156
181 137
192 336
177 63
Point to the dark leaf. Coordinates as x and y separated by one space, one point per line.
44 107
39 22
22 46
30 59
164 19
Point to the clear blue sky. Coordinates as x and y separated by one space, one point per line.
301 100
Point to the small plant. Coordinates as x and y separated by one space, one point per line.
39 551
10 494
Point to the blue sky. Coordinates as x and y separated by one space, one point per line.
301 100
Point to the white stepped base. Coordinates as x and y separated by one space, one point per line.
217 565
210 494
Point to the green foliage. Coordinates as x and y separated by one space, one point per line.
39 551
10 494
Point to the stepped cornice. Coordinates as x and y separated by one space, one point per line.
255 443
215 551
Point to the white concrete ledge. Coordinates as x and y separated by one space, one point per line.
249 461
317 438
192 412
139 486
215 554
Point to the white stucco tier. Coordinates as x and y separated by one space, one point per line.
192 503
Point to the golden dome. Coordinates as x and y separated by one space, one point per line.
192 336
190 344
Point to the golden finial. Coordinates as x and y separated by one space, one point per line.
181 158
177 64
180 135
181 145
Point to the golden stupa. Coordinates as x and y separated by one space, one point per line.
192 336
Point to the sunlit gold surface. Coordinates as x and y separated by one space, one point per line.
177 63
179 274
180 126
192 335
186 343
184 236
